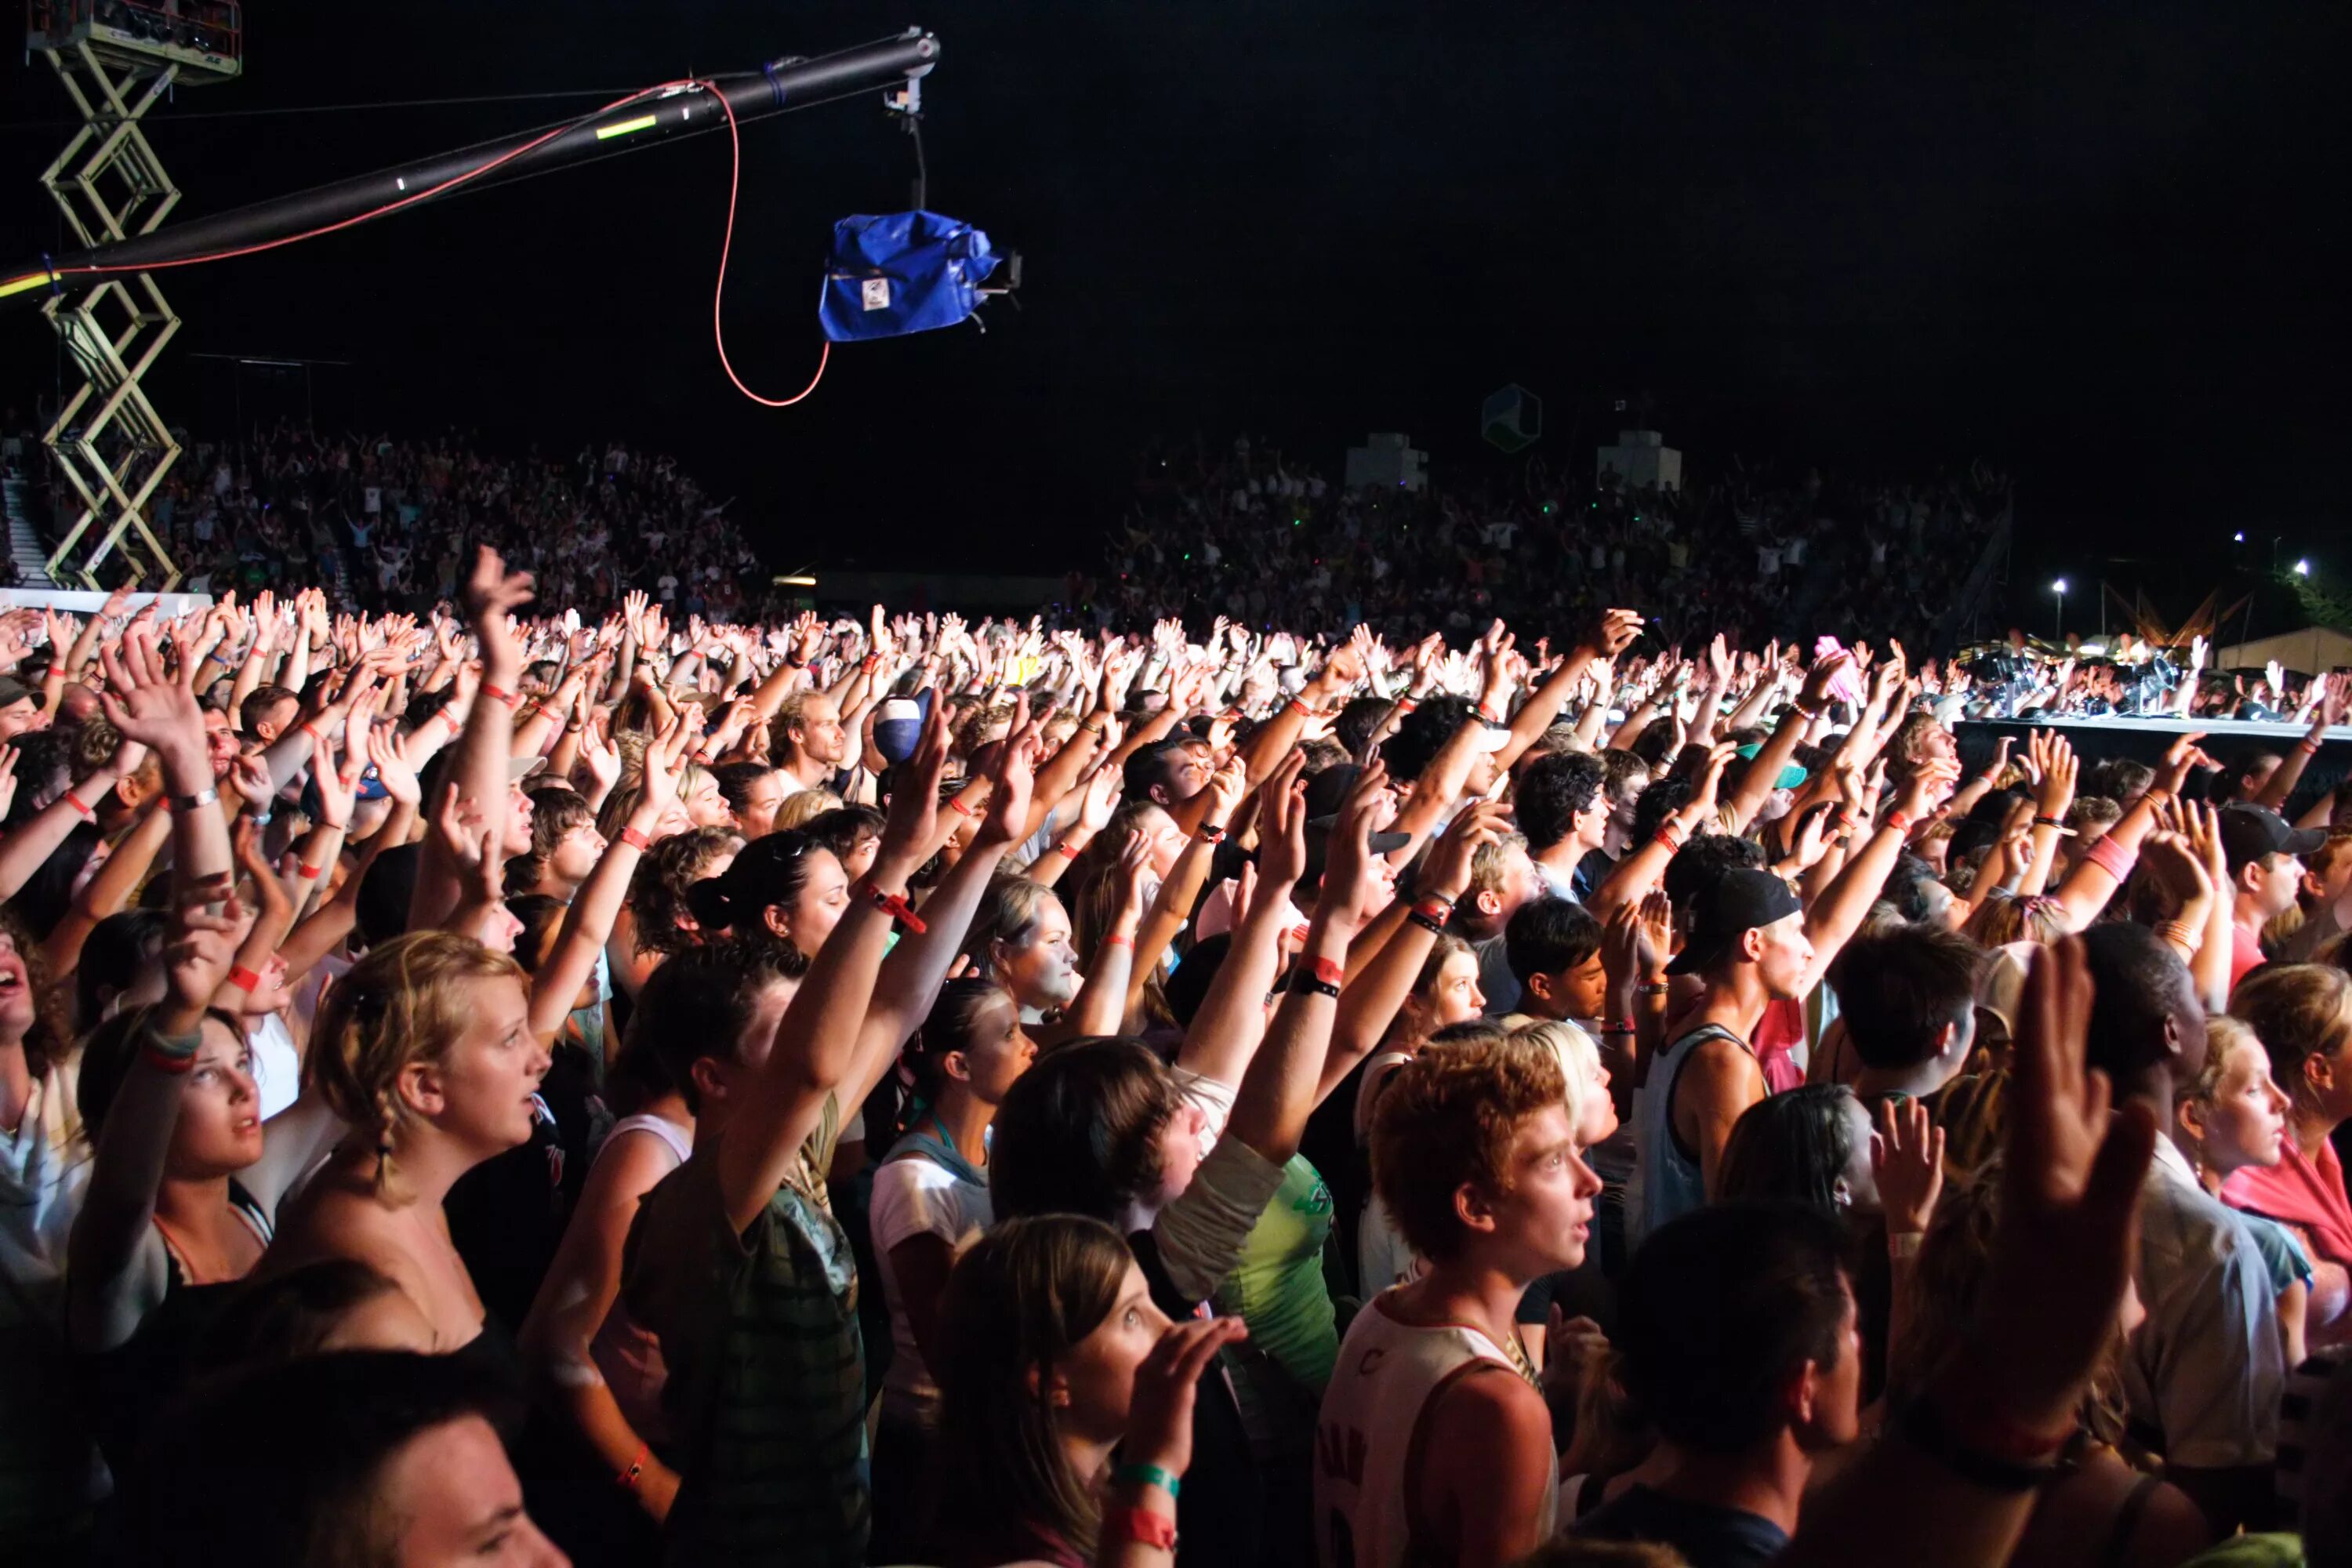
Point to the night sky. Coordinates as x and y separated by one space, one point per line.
2102 245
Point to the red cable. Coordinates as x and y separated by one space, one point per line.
372 213
718 333
734 183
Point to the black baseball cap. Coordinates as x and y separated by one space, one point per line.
1733 904
2249 833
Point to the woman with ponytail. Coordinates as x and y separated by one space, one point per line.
426 1049
930 1195
786 886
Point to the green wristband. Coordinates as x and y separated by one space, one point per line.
1149 1476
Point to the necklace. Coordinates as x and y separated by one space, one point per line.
1525 1368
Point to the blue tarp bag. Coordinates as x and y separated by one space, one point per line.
901 272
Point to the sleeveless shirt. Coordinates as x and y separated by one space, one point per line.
1368 1440
1672 1183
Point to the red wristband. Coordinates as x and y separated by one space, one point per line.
635 839
74 800
896 905
311 873
1300 709
1142 1526
1328 972
627 1479
1487 714
1067 849
169 1061
2309 747
1898 820
243 979
956 805
313 730
1209 835
509 698
1115 940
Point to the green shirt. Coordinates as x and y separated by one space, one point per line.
1277 1288
767 1374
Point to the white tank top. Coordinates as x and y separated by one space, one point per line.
679 1138
1368 1436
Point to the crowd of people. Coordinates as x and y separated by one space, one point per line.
389 526
1751 552
557 1073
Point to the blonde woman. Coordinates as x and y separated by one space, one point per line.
799 807
427 1051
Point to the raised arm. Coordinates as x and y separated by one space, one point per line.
116 1268
2289 772
1764 771
2062 1258
479 770
911 976
1837 914
2101 869
588 923
1271 1107
1368 1004
816 1041
1537 714
1225 1034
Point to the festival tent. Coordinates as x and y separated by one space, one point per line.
2315 651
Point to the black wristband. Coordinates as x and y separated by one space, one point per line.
1433 927
1304 980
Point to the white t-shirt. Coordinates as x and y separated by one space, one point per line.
917 1196
277 1066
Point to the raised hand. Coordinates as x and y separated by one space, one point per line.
148 706
492 593
1447 875
1010 779
1354 885
912 826
1226 787
2060 769
1159 1408
461 826
338 782
1929 787
1282 824
389 755
200 945
1907 1155
2069 1202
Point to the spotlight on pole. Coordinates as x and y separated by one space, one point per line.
2302 568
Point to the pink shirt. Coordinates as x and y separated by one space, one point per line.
2300 1191
2245 954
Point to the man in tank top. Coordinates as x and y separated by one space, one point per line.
1433 1445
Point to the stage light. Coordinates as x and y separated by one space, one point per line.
2238 536
2302 568
802 582
2059 586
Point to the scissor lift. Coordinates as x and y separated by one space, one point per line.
117 60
